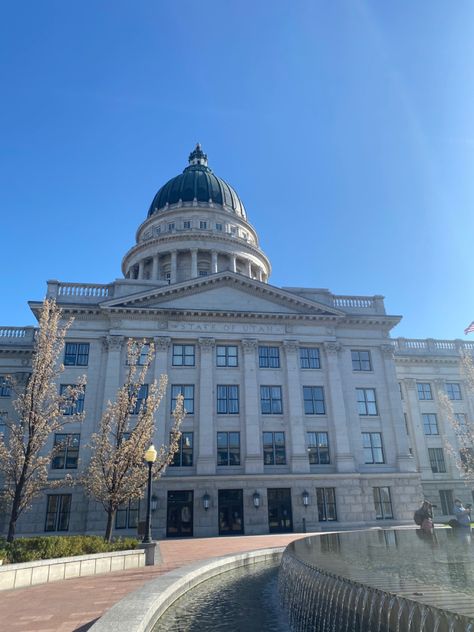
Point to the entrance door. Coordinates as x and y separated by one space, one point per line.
179 523
279 510
231 512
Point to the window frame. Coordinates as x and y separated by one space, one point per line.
275 402
274 450
67 446
141 396
313 405
377 496
268 357
178 389
372 447
132 515
5 386
72 408
226 356
359 364
326 504
62 511
434 455
453 391
183 355
310 356
428 424
75 357
446 498
425 392
317 448
366 402
228 455
227 399
184 450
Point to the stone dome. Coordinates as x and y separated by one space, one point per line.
197 183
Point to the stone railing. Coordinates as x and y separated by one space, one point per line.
356 304
17 335
79 292
431 346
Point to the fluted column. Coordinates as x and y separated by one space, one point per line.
141 268
249 268
253 438
233 263
162 345
413 411
206 457
155 272
214 261
299 461
174 266
343 453
259 274
113 347
194 263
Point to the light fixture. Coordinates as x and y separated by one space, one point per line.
305 496
151 454
256 499
154 502
206 501
150 457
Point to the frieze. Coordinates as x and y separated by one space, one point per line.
226 328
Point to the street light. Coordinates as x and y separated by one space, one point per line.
256 499
150 457
305 496
206 501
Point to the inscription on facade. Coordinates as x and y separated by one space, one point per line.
237 328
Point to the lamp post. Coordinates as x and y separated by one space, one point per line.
150 457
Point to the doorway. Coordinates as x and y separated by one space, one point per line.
231 512
179 522
280 519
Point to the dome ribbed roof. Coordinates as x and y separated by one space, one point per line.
197 182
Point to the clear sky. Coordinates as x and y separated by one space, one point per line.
347 128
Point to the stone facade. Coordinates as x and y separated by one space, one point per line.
310 374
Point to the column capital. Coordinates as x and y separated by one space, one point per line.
291 346
206 344
249 345
332 348
388 350
113 343
162 343
410 383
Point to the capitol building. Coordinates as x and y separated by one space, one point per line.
303 413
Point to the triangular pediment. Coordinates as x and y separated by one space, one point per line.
223 292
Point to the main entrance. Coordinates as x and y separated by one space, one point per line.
280 518
179 523
231 512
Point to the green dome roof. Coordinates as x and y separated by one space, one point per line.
197 182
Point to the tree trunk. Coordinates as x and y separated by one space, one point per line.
13 518
110 524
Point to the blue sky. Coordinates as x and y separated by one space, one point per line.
347 128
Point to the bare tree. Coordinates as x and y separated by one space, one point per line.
116 472
40 407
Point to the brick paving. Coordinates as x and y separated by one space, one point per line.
72 605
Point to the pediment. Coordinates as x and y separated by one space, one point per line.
224 292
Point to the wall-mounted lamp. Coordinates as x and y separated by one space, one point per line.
154 502
305 497
206 501
256 499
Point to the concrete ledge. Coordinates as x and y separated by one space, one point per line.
139 611
45 571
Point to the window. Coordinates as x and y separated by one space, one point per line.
141 397
424 390
383 503
127 515
366 401
309 358
227 399
3 420
183 355
171 227
269 357
157 230
318 448
466 456
226 355
76 354
233 230
203 273
186 224
219 227
184 456
72 407
187 391
361 361
326 500
66 451
313 397
58 510
430 424
453 390
228 448
270 400
373 450
5 387
447 501
144 350
202 225
438 465
461 422
274 448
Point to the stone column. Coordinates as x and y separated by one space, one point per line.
298 458
251 409
445 428
214 261
344 455
233 263
162 345
206 456
413 411
174 266
155 272
194 263
249 268
259 274
113 367
141 265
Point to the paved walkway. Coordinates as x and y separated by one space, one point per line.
73 605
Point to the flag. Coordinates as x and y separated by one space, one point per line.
469 329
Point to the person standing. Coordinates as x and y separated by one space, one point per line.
462 514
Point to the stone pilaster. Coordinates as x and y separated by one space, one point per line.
162 345
413 409
155 271
299 462
194 263
253 435
206 457
214 261
174 266
113 347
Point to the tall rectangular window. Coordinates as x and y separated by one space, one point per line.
383 503
184 456
76 354
437 462
453 390
127 515
466 456
144 350
270 400
447 501
274 448
424 390
361 360
367 404
226 355
141 398
269 357
186 224
5 387
183 355
310 358
72 407
66 451
326 500
171 227
227 399
58 511
318 448
203 225
219 227
313 397
430 424
373 450
461 422
187 391
228 448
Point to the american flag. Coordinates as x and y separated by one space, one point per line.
469 329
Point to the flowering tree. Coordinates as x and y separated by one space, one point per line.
116 473
24 455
